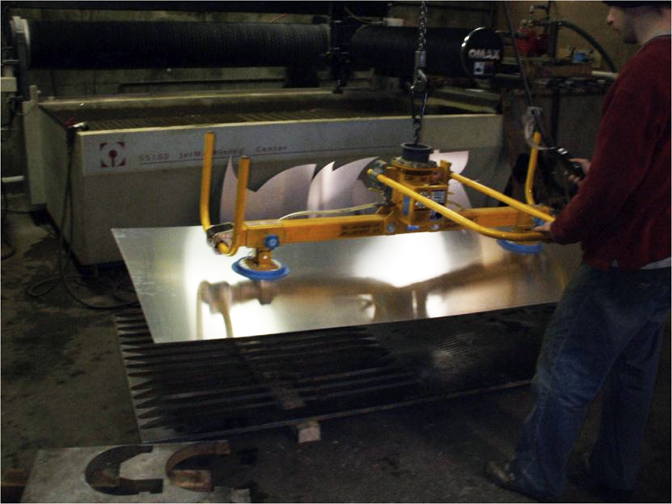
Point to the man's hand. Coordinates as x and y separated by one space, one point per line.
585 166
545 229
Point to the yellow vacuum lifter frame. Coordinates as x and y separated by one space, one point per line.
264 235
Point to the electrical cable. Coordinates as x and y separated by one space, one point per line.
5 210
523 75
529 126
361 19
8 125
5 205
14 103
63 264
591 40
277 18
533 110
19 212
10 252
5 201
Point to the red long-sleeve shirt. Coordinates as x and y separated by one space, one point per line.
622 210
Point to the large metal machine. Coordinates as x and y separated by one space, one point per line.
149 175
136 161
330 86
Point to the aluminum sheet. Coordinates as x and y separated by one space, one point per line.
188 292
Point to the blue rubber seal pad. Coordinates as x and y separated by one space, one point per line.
521 248
280 272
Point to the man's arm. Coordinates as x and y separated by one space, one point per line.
621 155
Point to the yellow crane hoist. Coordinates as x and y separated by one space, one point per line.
414 196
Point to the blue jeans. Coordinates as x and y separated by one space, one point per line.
606 332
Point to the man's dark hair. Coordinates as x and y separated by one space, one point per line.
630 5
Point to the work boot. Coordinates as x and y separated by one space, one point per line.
503 475
578 472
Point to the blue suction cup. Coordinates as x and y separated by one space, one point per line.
242 268
521 248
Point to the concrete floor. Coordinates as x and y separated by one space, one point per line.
63 385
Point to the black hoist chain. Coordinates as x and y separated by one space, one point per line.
420 87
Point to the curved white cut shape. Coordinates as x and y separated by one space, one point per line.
282 194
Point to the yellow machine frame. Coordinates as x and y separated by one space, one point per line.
406 182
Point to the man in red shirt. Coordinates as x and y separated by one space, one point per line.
608 327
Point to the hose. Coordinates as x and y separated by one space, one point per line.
577 29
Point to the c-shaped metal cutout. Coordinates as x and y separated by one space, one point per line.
102 473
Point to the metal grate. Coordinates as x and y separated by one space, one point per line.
223 118
161 121
192 390
211 388
190 111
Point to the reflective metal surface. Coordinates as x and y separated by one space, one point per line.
187 292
